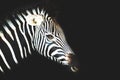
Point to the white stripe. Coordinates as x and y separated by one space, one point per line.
41 45
23 33
38 10
46 15
45 50
42 12
1 69
28 12
33 31
28 29
19 44
5 61
10 47
65 62
9 32
52 45
39 41
23 21
34 11
17 38
61 57
25 52
33 36
57 52
11 25
36 38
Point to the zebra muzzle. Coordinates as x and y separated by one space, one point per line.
74 69
73 62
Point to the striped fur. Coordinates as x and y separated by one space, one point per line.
30 31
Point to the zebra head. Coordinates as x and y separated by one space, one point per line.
49 40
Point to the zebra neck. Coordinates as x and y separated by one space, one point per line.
29 32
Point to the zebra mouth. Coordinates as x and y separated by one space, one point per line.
74 69
73 62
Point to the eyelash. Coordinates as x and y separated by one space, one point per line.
50 36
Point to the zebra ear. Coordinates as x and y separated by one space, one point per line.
34 20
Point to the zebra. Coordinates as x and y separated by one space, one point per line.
34 30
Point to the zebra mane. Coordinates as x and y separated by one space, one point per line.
36 16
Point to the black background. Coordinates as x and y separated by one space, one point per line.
74 18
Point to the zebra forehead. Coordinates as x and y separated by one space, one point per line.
34 20
36 16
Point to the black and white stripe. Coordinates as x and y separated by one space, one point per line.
30 31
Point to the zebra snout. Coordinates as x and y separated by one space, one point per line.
73 62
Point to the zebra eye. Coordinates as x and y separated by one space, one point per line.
50 36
